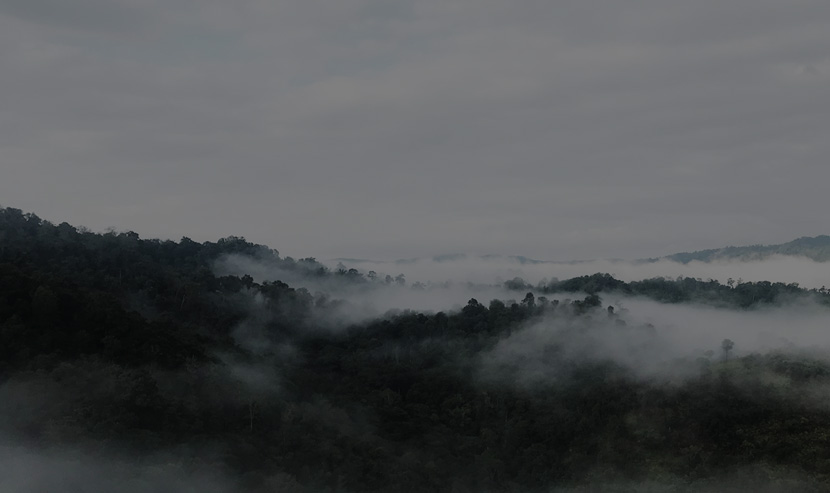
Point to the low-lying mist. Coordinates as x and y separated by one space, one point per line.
31 470
144 365
648 338
654 340
361 301
488 269
447 285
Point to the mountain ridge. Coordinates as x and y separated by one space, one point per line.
816 248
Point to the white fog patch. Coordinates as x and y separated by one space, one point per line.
653 340
431 285
805 272
493 269
355 302
690 327
28 470
373 303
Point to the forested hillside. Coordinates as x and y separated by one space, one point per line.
116 345
816 248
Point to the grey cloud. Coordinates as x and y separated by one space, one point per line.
557 130
83 15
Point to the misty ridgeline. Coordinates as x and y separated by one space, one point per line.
143 365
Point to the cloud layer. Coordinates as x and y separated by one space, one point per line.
387 129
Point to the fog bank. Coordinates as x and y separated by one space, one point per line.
488 269
654 340
29 470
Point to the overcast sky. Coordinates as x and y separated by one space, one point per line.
387 129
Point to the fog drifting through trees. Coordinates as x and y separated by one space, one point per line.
147 365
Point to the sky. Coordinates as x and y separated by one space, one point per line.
389 129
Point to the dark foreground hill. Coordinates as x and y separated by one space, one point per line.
116 346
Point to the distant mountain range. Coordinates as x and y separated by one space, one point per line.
816 248
456 257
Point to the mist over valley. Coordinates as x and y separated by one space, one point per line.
151 365
393 246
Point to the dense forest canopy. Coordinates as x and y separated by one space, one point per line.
162 352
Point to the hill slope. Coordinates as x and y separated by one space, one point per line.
816 248
112 344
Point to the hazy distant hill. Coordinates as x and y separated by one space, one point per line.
457 257
816 248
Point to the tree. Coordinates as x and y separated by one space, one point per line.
726 346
